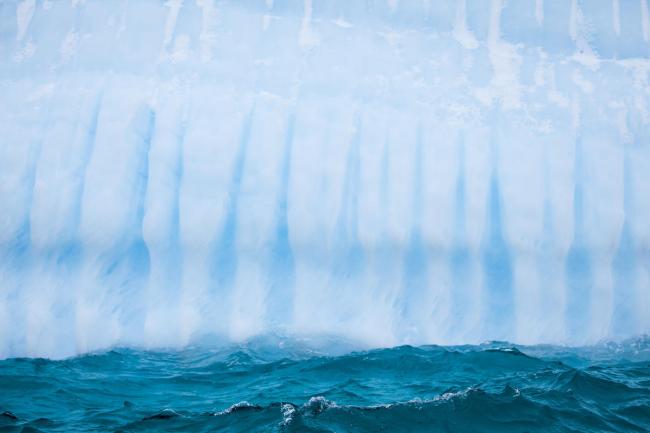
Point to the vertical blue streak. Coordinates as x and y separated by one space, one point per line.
497 263
224 255
579 279
281 272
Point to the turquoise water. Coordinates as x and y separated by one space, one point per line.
294 385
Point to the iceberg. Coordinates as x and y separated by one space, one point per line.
396 172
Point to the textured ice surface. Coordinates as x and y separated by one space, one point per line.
394 171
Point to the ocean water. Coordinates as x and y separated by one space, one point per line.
297 385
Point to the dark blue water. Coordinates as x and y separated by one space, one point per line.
280 385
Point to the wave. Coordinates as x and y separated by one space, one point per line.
472 409
294 387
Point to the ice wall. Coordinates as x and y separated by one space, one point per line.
393 171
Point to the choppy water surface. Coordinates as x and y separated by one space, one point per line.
275 384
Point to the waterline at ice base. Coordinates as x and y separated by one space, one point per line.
401 172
